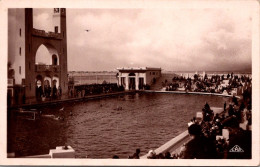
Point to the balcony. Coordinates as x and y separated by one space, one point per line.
42 33
47 68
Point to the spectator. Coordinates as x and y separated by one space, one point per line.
151 155
167 155
115 157
136 154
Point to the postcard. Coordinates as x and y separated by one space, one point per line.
154 83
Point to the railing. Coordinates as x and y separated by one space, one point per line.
44 68
42 33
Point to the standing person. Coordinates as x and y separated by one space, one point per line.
234 99
231 110
49 91
60 91
136 154
206 106
54 92
45 91
228 76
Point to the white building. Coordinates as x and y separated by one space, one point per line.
137 77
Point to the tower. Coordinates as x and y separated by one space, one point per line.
56 20
39 81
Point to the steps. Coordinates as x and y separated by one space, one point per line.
164 76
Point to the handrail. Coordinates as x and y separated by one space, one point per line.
172 144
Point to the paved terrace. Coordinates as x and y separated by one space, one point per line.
53 102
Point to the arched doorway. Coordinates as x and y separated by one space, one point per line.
38 87
131 81
55 81
55 85
47 86
54 88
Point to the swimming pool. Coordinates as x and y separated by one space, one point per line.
100 128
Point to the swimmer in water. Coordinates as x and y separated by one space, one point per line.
118 108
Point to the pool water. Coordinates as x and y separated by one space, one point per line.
100 129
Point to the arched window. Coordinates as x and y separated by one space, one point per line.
46 54
54 60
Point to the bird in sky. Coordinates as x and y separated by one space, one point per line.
87 30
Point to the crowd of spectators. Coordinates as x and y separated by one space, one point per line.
213 84
48 93
208 134
93 89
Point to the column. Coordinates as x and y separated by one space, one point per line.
119 80
137 81
144 79
126 83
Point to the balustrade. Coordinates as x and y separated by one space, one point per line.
44 68
42 33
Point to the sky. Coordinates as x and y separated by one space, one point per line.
210 39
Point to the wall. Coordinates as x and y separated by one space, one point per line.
16 21
150 76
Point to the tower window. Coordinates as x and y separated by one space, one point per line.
56 29
20 32
20 51
20 70
54 60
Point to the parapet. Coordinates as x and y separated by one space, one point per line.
62 152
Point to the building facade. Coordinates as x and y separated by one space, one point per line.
31 80
137 78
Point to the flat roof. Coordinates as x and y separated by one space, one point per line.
138 69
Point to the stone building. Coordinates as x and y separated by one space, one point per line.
32 80
136 78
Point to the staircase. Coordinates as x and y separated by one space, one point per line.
164 76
